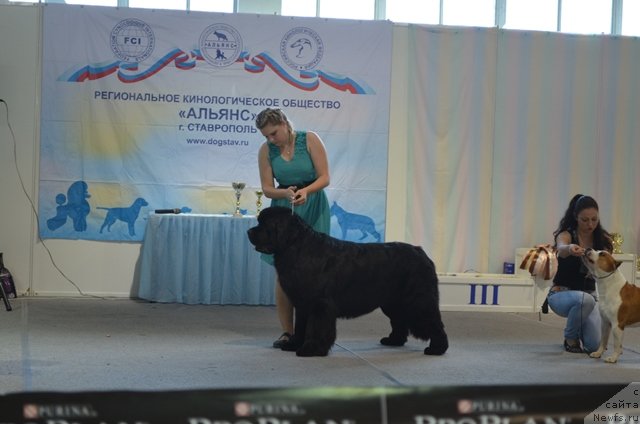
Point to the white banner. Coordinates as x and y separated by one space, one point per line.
145 110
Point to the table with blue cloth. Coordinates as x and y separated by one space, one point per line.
203 259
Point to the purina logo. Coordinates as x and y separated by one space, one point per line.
467 406
32 411
220 45
132 40
301 48
248 409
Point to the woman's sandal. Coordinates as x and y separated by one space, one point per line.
282 340
572 347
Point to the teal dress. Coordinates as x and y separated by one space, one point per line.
300 171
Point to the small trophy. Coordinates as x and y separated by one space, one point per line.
617 241
238 187
259 201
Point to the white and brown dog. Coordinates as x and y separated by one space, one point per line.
619 301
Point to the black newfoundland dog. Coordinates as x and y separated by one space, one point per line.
326 278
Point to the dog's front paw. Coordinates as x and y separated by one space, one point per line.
611 359
311 349
597 354
393 340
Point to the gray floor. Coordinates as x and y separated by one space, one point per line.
115 344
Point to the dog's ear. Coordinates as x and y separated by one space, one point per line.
618 263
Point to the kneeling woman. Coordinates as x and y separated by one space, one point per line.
573 294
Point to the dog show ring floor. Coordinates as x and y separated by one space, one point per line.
84 344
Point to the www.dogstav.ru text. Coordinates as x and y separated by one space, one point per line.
217 142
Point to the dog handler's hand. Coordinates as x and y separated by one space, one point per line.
291 193
576 250
300 197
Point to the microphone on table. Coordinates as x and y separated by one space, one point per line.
174 210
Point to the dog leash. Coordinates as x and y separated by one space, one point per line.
293 199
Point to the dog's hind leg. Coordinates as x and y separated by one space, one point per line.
108 221
105 223
433 332
320 334
399 328
425 323
439 342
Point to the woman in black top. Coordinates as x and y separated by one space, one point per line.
573 294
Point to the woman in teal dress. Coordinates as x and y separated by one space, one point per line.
297 162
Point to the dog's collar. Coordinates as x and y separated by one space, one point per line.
608 275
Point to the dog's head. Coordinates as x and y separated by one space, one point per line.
276 228
140 202
600 263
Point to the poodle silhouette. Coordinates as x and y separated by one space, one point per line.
61 213
129 215
76 207
352 221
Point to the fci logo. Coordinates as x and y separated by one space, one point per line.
132 40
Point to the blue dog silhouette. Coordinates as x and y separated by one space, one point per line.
128 215
352 221
74 205
220 36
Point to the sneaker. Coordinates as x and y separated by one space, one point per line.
573 346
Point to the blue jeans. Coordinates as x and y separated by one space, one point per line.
583 316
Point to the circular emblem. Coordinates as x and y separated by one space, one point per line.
132 40
242 409
220 45
465 406
301 48
30 411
